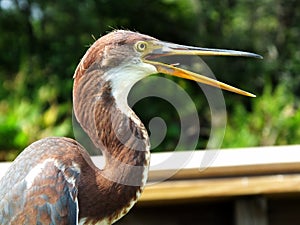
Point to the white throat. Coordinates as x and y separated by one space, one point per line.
123 78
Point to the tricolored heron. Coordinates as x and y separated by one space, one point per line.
54 181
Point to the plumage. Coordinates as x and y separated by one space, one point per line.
54 181
46 188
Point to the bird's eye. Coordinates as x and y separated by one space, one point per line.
141 46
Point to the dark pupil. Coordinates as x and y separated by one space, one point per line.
142 46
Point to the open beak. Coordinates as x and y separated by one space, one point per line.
160 49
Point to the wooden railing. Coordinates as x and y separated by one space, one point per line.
235 172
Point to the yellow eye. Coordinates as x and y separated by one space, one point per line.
141 46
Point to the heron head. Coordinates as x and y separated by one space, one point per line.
125 57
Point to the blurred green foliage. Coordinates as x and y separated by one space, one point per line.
274 120
42 41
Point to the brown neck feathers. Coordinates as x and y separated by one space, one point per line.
124 143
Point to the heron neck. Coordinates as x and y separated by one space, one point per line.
119 135
122 139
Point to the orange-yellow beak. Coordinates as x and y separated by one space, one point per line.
158 49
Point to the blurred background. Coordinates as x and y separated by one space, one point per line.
42 41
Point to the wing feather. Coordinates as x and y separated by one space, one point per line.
47 194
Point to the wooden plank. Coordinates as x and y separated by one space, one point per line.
3 167
208 189
224 163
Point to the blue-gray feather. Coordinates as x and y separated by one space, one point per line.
50 197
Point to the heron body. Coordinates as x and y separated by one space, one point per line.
54 181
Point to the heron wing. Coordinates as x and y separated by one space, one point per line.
47 195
